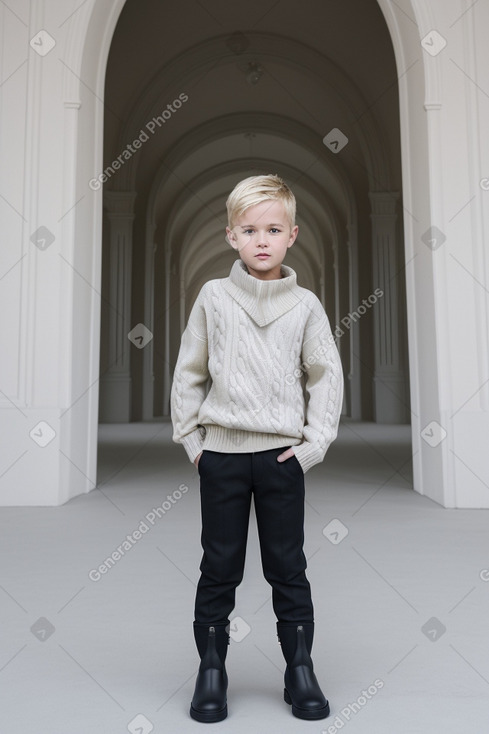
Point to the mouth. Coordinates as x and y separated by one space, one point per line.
262 255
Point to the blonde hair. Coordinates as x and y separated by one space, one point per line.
254 190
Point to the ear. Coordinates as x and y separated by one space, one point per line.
231 238
293 235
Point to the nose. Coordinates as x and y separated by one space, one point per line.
262 237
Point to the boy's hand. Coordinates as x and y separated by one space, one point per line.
197 459
286 455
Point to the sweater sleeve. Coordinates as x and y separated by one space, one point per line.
190 377
324 386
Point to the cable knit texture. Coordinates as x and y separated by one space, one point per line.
257 369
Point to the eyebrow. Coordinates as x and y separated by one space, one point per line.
273 224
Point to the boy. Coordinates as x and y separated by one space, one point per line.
256 333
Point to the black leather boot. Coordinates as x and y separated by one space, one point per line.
209 702
301 686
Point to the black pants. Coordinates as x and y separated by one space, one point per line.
227 481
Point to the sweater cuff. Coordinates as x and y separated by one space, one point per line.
308 454
192 443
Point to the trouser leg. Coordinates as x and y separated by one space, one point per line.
279 492
225 492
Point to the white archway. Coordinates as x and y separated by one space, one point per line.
59 385
430 468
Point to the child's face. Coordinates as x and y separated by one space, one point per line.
263 230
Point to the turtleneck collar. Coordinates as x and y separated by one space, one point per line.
263 300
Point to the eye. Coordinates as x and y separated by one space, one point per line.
274 230
248 231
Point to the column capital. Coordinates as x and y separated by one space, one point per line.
119 203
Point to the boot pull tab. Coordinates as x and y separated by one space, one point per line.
301 656
211 659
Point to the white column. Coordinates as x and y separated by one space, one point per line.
170 276
388 384
336 280
148 352
115 383
354 330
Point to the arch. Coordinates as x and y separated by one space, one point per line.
267 46
91 58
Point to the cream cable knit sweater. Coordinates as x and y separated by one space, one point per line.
276 376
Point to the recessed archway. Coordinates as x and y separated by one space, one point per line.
412 90
330 191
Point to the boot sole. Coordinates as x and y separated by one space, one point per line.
208 717
309 714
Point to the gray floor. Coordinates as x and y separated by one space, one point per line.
400 587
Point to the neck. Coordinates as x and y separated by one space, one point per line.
273 274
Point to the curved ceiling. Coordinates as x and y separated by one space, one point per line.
320 67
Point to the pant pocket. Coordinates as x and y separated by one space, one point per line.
202 458
297 462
